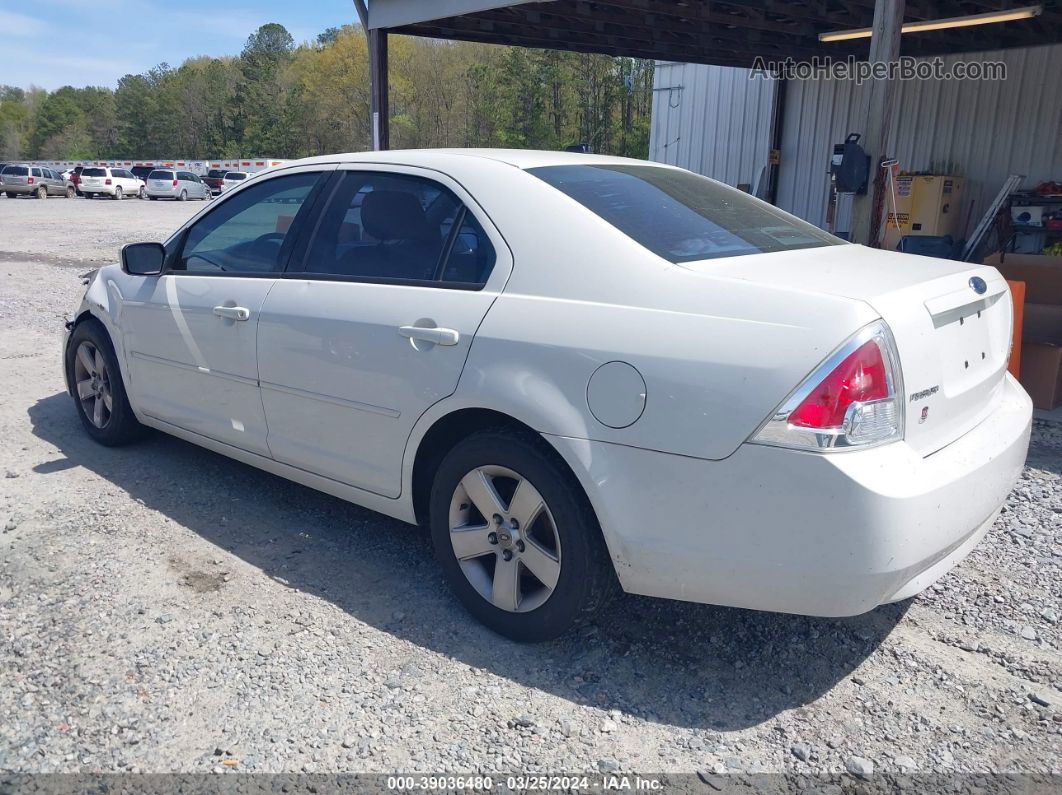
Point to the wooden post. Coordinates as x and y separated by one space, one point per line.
881 95
379 111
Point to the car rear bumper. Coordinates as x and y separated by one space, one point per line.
105 190
20 189
788 531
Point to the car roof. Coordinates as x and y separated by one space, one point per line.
520 158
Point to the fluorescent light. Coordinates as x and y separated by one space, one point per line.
941 24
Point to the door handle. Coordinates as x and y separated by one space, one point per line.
232 312
439 336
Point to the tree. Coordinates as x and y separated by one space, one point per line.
276 99
270 41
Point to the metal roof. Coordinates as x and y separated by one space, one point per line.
725 32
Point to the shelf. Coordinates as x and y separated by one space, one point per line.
1034 230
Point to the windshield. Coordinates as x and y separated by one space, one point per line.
680 216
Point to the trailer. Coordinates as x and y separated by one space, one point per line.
250 165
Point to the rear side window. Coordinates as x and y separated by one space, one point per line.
157 174
94 172
252 232
384 227
37 172
16 171
680 216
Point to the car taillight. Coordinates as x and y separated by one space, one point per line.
107 181
175 183
853 399
29 181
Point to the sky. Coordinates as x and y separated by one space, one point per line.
52 43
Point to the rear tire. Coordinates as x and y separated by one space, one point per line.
118 193
532 582
96 381
70 193
153 198
183 197
11 195
42 192
142 193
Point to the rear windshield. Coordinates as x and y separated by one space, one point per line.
16 171
680 216
156 174
216 172
94 172
236 175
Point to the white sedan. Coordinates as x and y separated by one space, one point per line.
582 373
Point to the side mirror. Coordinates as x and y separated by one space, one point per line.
143 259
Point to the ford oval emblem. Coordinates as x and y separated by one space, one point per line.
978 284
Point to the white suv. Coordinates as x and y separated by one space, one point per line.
233 179
114 182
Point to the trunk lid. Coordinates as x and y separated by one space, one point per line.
953 341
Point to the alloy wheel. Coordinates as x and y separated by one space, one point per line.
93 384
505 539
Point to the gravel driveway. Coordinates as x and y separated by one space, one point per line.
163 608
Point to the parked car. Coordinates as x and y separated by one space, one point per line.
679 388
165 183
37 181
214 179
75 178
142 172
232 179
118 183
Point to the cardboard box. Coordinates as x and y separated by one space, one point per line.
1029 214
924 206
1041 373
1041 329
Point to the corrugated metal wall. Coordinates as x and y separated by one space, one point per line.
982 130
712 120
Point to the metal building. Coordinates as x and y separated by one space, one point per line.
717 121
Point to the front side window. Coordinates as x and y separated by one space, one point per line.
680 216
380 226
250 233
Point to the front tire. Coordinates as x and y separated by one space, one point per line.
516 537
99 393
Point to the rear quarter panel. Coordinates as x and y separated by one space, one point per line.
717 354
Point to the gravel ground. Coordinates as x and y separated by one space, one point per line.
163 608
